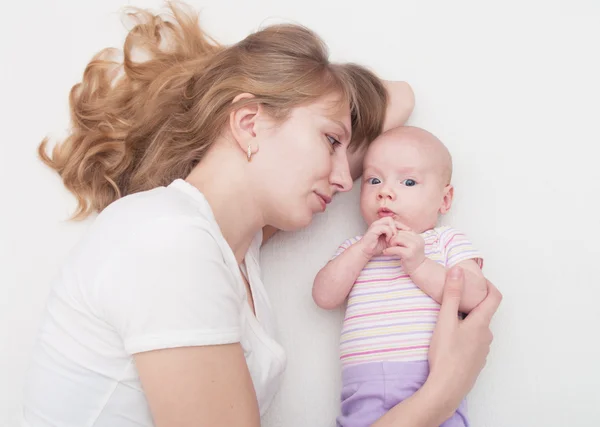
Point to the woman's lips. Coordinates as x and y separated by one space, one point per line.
324 200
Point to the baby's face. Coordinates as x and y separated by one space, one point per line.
407 179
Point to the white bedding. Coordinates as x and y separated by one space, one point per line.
309 395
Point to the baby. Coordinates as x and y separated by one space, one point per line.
393 275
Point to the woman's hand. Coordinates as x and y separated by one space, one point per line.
457 355
459 348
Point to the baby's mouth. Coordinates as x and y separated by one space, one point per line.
383 212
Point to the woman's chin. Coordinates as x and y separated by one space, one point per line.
296 221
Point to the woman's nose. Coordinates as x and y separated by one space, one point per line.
340 177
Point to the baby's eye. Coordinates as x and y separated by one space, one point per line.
374 181
409 182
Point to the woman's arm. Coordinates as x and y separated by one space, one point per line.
457 355
199 386
401 103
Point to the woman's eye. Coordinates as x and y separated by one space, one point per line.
374 181
334 142
409 182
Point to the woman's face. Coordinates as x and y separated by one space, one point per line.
304 162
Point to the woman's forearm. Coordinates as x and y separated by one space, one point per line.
401 102
428 407
457 355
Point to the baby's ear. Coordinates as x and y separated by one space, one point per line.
448 196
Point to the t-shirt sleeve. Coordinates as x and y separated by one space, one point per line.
169 286
456 247
345 245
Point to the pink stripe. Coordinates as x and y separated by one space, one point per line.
451 239
394 311
402 276
390 344
418 347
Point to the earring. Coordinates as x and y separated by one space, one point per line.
249 152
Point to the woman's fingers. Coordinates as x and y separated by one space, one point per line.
459 348
453 288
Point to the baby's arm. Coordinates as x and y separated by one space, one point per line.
334 281
430 277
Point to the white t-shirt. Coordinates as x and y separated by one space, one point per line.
154 272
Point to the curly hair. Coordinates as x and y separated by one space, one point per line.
139 123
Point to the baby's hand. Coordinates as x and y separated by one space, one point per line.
410 247
378 236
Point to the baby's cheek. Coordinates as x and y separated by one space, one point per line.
364 198
367 209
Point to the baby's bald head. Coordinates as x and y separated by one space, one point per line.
407 172
418 141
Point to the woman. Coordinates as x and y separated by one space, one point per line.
160 317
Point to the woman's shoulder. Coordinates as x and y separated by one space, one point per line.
160 239
162 207
175 199
162 220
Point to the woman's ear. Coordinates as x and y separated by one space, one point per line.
447 199
242 122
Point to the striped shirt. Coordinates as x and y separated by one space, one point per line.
388 318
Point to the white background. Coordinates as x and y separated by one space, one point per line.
512 87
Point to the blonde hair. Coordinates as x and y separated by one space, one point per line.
139 124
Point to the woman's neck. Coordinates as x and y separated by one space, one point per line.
221 178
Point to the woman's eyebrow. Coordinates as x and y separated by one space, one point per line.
340 124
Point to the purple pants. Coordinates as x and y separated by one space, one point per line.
369 390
